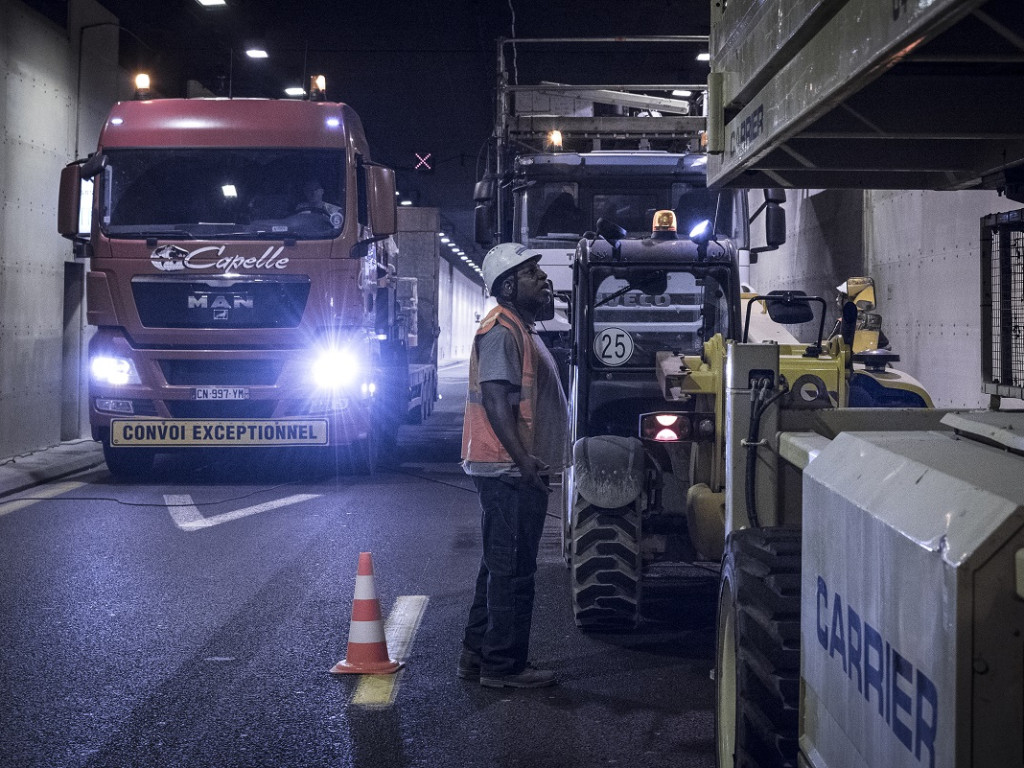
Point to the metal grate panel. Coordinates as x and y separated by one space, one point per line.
221 372
1002 303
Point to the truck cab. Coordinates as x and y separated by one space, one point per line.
237 283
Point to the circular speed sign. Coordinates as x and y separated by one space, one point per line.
613 346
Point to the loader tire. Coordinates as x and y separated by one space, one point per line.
605 568
758 655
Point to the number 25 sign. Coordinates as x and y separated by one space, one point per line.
613 346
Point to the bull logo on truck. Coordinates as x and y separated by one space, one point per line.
169 258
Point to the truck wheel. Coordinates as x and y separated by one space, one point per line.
429 394
364 454
605 567
758 657
565 498
128 463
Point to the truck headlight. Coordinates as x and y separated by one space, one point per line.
116 371
335 368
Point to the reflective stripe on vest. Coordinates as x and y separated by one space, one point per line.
479 442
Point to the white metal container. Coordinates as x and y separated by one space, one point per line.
912 608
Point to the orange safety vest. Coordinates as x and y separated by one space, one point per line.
479 443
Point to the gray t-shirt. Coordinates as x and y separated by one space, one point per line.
499 360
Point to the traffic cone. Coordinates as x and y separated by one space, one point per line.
367 647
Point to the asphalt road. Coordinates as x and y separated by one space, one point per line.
200 633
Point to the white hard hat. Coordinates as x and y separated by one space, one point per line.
503 257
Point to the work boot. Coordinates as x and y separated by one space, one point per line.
469 665
531 677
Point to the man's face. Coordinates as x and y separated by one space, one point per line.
532 290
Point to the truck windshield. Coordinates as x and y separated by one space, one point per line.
223 193
558 211
640 311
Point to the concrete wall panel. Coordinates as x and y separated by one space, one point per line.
34 141
922 250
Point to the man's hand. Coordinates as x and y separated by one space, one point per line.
532 470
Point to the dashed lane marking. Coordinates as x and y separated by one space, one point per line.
39 494
380 691
186 514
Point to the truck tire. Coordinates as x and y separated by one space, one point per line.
757 670
364 455
605 567
128 463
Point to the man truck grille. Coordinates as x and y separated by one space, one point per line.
241 373
164 302
242 409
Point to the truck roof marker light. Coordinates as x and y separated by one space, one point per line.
333 122
317 88
116 120
142 85
294 91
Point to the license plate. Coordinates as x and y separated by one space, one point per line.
222 393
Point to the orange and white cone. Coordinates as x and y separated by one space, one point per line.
367 647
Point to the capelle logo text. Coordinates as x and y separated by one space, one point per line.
172 258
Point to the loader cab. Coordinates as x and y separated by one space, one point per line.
633 299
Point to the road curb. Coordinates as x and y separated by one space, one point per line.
19 473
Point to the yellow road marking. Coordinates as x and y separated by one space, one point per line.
38 494
380 691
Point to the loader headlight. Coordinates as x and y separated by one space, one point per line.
335 368
665 427
677 427
116 371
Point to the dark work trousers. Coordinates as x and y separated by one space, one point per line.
499 621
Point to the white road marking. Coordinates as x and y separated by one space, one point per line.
186 514
380 691
37 495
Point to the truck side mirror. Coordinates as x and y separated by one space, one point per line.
483 190
484 223
69 201
775 224
381 193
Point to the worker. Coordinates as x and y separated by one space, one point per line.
513 439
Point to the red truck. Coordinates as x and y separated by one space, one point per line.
240 281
